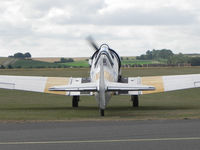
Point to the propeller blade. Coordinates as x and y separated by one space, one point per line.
92 43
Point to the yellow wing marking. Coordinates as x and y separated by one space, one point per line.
54 81
156 81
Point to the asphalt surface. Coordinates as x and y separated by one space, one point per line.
98 135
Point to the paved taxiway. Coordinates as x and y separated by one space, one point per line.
98 135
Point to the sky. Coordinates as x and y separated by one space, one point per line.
59 28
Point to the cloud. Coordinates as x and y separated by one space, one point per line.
59 28
167 16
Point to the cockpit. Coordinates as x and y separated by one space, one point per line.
109 53
104 51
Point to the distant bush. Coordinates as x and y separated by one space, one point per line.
65 60
18 67
2 67
10 66
40 67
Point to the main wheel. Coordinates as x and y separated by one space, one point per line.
135 100
75 101
102 112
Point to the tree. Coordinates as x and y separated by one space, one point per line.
149 54
19 55
195 61
27 55
64 60
10 66
165 53
2 67
156 54
178 59
70 60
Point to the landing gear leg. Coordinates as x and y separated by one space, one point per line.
75 101
102 112
135 100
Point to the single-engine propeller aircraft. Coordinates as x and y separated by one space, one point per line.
105 80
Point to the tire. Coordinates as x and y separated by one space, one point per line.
102 112
135 100
75 101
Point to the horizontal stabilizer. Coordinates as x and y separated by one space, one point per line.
76 87
109 86
114 86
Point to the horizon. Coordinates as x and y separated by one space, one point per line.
91 55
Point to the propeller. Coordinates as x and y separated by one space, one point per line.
92 43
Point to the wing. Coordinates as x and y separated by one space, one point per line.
166 83
39 84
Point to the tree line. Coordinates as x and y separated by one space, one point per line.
21 55
170 57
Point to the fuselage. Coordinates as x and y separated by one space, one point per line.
105 61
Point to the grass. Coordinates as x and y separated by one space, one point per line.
7 61
139 62
3 59
79 63
19 105
23 63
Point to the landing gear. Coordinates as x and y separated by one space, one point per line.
75 101
135 100
102 112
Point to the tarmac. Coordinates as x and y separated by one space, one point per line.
98 135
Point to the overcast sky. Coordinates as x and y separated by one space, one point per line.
56 28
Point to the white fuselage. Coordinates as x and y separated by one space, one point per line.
104 63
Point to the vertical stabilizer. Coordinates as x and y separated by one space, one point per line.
102 101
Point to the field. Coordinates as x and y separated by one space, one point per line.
23 63
139 62
80 63
41 63
53 59
3 59
19 105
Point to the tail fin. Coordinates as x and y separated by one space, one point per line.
102 87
